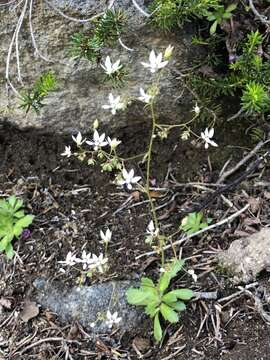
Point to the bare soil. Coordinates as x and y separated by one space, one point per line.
72 202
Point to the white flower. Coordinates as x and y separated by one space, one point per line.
144 96
112 319
155 62
92 324
168 52
113 142
70 259
67 151
206 136
97 263
109 67
162 270
196 109
114 104
78 139
106 238
98 140
151 230
191 272
86 259
129 178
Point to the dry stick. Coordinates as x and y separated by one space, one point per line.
140 9
262 18
8 3
37 52
17 40
124 46
10 52
235 116
242 162
210 227
72 18
53 339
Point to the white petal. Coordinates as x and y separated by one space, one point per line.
152 57
145 64
135 179
211 132
159 58
125 173
111 98
102 235
162 64
96 136
130 175
211 142
108 63
102 137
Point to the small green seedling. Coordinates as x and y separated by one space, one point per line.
158 300
220 15
194 222
12 223
32 99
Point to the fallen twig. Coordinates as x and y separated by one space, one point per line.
242 162
262 18
210 227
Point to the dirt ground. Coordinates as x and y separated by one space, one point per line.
73 202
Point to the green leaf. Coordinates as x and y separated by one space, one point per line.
137 297
19 214
164 281
145 281
169 297
5 241
168 313
12 200
21 224
178 306
9 251
176 266
151 309
231 7
157 328
213 27
183 294
18 205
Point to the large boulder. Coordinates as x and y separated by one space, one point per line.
247 257
89 304
81 92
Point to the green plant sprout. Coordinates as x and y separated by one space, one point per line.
194 222
157 300
12 223
168 14
255 99
33 98
106 31
219 15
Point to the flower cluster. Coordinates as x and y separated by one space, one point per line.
90 262
112 319
98 142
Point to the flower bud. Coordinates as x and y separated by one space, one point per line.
95 124
168 52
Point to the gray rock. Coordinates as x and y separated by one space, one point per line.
81 92
247 257
86 304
